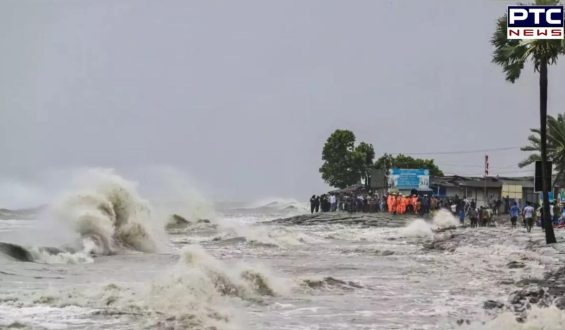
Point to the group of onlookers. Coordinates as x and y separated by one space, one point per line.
396 203
324 203
483 215
393 203
349 202
533 214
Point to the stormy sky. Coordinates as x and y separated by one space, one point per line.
241 95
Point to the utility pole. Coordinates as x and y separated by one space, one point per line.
485 181
545 171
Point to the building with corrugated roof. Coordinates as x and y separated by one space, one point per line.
495 187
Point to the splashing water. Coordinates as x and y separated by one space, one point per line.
418 228
107 213
549 318
443 219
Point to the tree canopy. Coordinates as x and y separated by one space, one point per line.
555 144
344 163
402 161
512 54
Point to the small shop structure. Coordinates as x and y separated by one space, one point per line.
488 189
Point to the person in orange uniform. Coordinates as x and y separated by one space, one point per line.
399 204
395 204
405 201
389 203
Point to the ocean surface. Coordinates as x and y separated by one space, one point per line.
118 261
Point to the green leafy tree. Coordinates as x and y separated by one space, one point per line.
344 163
512 55
555 144
402 161
363 156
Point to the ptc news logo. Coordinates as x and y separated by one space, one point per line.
535 22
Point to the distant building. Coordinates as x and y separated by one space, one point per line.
496 187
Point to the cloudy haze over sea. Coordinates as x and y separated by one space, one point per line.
241 96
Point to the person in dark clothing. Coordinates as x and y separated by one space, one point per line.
324 203
317 204
474 216
556 213
497 206
425 205
312 204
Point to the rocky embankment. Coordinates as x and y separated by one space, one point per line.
370 219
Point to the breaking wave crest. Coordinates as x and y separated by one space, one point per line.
198 292
59 257
236 280
443 219
417 228
108 214
420 228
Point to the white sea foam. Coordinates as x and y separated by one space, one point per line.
198 292
421 228
550 318
443 219
417 228
43 256
107 214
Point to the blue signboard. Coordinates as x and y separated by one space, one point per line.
549 195
407 179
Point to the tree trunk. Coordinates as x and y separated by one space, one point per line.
545 176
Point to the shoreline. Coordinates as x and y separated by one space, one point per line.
528 292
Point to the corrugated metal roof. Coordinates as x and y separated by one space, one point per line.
480 182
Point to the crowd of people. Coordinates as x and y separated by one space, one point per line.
420 204
394 203
532 214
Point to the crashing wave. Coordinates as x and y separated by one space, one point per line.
198 292
47 255
240 281
108 214
443 219
419 228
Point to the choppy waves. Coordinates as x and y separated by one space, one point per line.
373 271
198 292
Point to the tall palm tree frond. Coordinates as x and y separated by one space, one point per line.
530 160
555 143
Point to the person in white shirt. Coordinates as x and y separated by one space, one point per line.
528 214
333 203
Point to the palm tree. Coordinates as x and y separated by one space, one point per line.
555 144
512 55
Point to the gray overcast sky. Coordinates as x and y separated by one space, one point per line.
241 95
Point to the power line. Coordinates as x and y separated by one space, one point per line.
494 173
494 167
457 152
